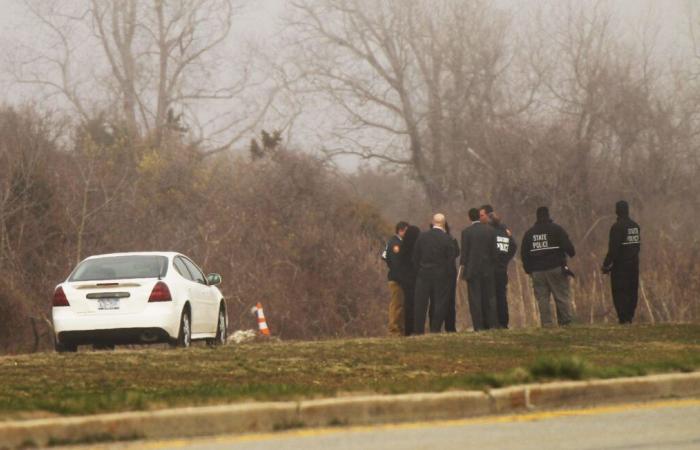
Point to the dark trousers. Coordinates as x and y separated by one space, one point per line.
501 277
625 288
409 290
482 302
430 288
451 319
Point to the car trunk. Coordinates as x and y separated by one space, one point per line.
109 297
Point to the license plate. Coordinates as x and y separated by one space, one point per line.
108 303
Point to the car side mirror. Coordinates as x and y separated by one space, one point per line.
213 279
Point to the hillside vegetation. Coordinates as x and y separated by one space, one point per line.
49 384
283 166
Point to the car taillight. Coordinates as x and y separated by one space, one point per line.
160 293
59 297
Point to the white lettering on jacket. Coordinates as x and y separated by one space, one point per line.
503 243
633 237
540 242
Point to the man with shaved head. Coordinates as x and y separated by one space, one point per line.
432 255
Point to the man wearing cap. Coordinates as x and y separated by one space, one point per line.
544 250
622 262
391 256
432 255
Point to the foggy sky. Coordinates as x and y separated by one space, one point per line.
260 21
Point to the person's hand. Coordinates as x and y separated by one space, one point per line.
568 272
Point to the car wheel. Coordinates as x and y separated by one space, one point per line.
65 348
184 337
221 334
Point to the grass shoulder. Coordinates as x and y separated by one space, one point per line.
48 384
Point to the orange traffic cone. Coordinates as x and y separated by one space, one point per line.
262 324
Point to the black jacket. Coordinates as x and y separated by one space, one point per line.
478 250
545 247
455 254
433 253
391 256
506 247
624 244
407 271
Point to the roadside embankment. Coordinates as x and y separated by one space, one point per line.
336 373
360 410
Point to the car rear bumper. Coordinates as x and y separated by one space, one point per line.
114 336
156 323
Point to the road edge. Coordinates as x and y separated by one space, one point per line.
352 410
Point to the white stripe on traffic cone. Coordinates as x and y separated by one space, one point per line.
262 324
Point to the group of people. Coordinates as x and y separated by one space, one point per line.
423 273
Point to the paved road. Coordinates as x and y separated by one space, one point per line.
659 425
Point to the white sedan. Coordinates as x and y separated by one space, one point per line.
131 298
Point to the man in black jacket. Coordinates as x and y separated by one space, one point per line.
478 258
543 252
432 254
392 257
622 262
506 246
408 277
451 319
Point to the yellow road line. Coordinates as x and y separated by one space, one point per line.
315 432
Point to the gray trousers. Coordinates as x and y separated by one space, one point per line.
553 282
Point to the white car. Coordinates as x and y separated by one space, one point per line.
131 298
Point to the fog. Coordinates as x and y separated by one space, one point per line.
264 27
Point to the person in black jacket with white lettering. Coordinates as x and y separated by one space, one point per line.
622 262
506 246
544 250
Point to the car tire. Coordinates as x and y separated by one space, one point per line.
184 335
221 333
65 348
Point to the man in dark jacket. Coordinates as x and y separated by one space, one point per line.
622 262
432 254
451 319
478 258
543 252
392 257
506 248
408 277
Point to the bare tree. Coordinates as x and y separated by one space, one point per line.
26 143
608 98
428 81
151 65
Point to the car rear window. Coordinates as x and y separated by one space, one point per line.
121 267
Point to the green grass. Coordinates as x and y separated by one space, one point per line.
49 384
